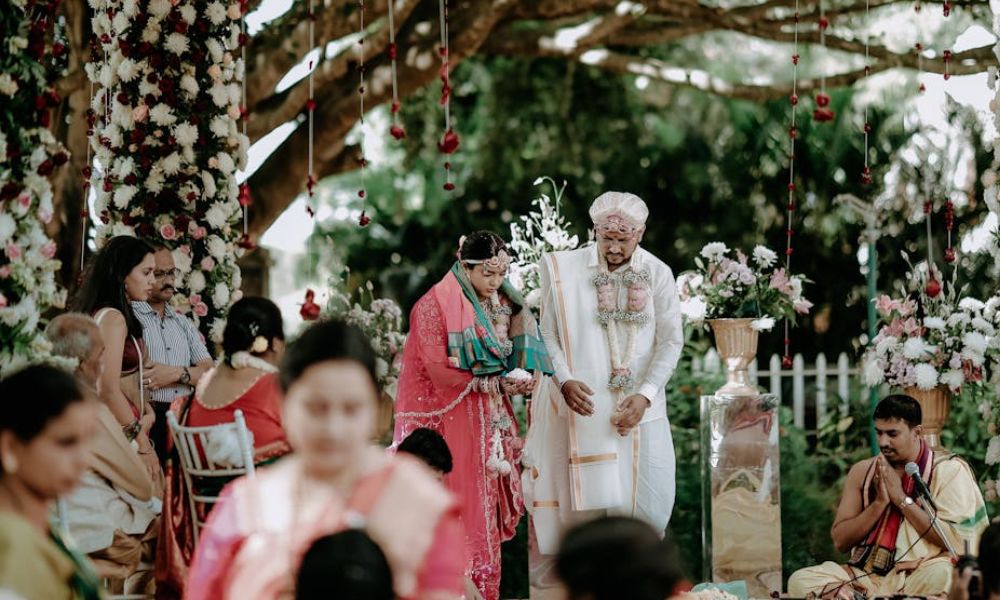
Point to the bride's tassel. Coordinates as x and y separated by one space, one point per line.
497 463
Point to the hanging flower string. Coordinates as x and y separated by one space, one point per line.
866 172
310 109
245 241
786 360
949 224
363 220
449 141
395 130
823 113
919 48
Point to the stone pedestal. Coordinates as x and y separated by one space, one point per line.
741 514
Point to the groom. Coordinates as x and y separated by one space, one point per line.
599 440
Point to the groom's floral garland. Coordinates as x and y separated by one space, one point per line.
610 315
163 128
28 156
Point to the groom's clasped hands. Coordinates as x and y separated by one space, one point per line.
631 410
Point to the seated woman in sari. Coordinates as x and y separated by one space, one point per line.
45 429
472 345
247 380
336 479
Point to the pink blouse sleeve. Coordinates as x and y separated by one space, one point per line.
444 564
220 540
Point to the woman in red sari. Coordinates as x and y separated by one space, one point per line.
472 345
336 479
246 379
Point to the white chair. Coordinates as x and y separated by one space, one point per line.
191 442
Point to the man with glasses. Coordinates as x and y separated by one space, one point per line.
176 349
599 441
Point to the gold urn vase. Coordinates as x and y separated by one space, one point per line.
934 405
736 343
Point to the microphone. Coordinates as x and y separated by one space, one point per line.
913 471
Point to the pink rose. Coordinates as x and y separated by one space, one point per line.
5 272
168 232
185 249
200 309
49 250
139 113
13 252
234 112
45 216
199 233
215 72
3 301
194 299
24 199
207 264
637 298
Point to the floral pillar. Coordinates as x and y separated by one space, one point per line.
164 131
29 154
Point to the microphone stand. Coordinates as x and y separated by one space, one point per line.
924 504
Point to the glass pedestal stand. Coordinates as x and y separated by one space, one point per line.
741 503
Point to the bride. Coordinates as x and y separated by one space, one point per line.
472 345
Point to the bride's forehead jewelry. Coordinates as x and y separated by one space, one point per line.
500 262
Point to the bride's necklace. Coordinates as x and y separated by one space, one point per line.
499 315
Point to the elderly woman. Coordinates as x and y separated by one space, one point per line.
43 452
336 479
472 345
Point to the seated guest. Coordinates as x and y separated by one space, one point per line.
111 513
121 273
45 429
347 565
429 446
335 479
894 549
612 558
177 354
247 380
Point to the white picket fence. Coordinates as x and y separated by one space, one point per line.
814 381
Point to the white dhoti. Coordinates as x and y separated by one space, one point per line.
575 467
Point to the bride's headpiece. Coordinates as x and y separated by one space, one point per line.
500 262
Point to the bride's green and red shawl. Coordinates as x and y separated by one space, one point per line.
472 342
877 554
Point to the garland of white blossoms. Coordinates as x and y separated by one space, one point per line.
28 155
611 316
165 138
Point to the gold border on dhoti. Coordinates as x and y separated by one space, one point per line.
574 448
545 504
592 458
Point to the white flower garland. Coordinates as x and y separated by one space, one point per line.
29 154
166 139
612 317
245 360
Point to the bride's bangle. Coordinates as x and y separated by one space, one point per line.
131 430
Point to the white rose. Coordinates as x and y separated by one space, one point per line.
215 331
196 282
123 195
220 297
216 247
993 451
7 84
216 216
237 278
7 227
694 309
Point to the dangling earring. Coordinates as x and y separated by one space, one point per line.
9 464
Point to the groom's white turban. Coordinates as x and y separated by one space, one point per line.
625 206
